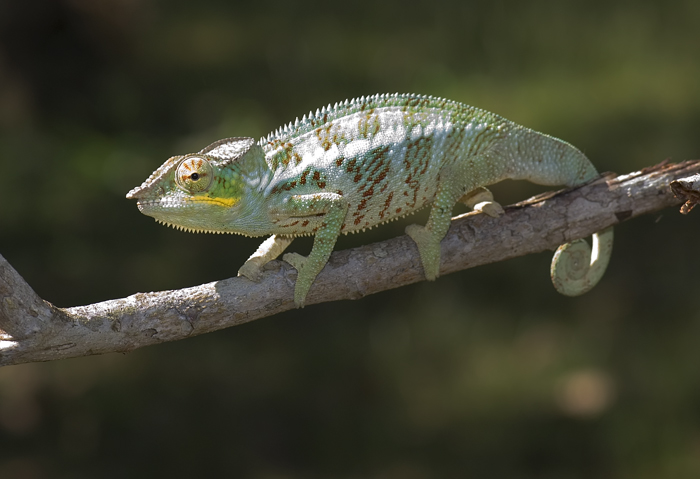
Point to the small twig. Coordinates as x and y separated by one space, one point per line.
688 190
34 330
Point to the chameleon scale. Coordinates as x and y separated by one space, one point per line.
361 163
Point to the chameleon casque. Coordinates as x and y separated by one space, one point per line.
361 163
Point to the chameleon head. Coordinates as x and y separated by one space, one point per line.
195 192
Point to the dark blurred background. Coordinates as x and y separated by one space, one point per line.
485 373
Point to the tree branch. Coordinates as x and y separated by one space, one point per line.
32 329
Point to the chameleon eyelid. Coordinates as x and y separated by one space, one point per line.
186 171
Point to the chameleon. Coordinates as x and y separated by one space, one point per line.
358 164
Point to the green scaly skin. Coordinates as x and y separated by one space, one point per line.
361 163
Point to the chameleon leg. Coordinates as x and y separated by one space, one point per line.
268 250
334 208
481 200
428 237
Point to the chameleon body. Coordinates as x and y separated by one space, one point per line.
359 164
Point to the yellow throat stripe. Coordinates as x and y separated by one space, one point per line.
226 202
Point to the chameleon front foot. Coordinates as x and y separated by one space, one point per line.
303 284
266 252
428 248
251 270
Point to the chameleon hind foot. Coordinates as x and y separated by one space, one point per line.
428 248
481 200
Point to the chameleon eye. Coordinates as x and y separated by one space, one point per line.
194 174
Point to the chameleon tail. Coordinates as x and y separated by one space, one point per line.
551 161
575 269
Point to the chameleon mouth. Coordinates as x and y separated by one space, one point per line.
180 202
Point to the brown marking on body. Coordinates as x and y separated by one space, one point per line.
368 125
339 137
305 224
358 220
339 161
398 210
376 125
387 203
376 171
324 136
316 176
413 203
416 163
289 185
362 127
302 178
297 158
287 152
321 184
362 205
357 178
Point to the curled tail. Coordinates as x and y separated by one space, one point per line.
576 269
551 161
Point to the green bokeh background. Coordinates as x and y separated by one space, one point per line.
485 373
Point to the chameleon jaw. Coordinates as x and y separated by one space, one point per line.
189 229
